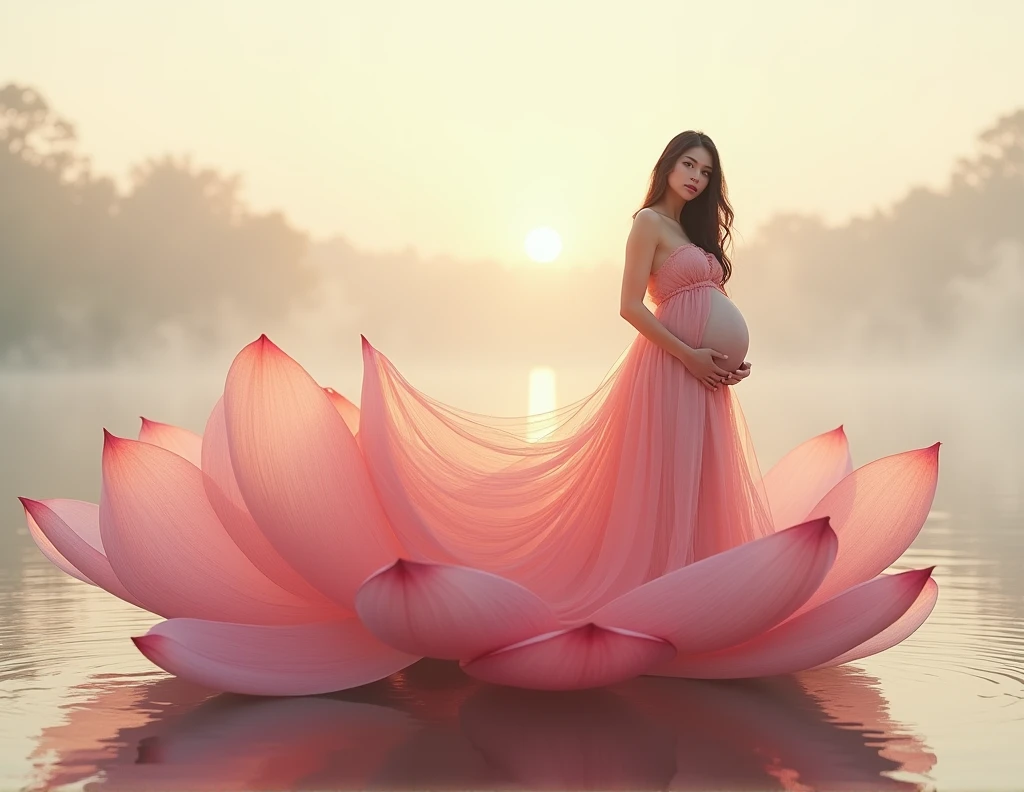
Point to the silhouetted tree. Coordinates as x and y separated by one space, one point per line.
87 273
908 281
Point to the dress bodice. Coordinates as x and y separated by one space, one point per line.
687 267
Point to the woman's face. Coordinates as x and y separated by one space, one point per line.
693 169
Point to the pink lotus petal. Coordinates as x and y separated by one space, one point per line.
222 492
72 529
803 642
165 545
293 660
876 511
804 476
448 612
188 445
896 632
583 657
728 598
301 474
346 409
43 513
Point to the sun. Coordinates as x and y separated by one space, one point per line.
543 244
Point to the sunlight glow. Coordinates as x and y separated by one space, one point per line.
543 244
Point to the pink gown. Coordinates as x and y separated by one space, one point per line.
648 473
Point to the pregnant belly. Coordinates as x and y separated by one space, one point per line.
726 331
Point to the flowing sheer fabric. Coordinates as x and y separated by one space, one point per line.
648 473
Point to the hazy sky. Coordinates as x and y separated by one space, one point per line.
455 126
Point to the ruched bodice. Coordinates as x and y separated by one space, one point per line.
687 267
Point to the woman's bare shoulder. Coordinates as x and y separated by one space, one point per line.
648 217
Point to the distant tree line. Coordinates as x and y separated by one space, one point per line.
935 269
88 273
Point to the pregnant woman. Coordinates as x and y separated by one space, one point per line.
650 472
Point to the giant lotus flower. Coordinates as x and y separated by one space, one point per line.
266 548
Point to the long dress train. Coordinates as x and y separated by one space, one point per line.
648 473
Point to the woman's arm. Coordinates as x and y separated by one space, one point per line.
640 247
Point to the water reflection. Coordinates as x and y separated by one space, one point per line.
433 727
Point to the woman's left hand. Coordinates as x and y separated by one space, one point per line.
739 374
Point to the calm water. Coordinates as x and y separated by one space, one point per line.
944 710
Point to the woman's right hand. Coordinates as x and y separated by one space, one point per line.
701 364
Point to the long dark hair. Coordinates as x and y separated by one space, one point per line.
707 219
